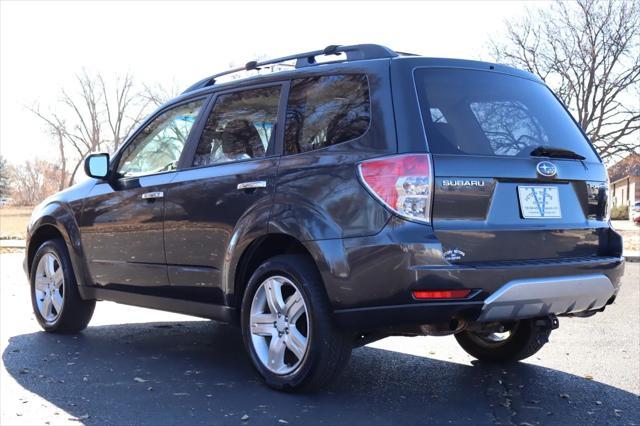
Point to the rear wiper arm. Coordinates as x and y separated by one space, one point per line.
552 152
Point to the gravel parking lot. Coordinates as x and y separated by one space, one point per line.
140 366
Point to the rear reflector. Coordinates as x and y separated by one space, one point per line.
402 182
440 294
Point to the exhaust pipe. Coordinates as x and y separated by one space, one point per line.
452 327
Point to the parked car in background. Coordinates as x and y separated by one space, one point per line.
339 203
634 213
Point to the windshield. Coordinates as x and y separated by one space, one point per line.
486 113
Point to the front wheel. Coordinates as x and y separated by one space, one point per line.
56 301
287 326
523 340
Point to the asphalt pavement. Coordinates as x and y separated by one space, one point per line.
138 366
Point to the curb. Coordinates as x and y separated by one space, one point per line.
632 257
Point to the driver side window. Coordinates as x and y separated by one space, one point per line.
158 146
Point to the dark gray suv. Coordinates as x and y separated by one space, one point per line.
339 202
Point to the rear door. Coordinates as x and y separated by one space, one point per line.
515 178
230 176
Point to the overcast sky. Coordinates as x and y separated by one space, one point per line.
43 44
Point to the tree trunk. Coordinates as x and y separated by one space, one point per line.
63 162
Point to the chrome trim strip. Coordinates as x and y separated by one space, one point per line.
255 184
151 195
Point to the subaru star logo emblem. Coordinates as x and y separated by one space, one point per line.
546 169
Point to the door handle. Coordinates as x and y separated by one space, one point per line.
152 195
253 185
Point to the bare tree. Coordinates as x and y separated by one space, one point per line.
587 51
4 178
95 116
57 129
33 181
158 94
124 101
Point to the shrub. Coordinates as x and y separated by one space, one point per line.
620 213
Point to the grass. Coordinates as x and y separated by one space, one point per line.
13 221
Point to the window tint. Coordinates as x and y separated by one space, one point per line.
158 146
240 126
485 113
326 110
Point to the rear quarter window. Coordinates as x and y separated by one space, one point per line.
473 112
326 110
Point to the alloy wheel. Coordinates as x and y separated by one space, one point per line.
279 325
49 287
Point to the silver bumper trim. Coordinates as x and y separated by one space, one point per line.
528 298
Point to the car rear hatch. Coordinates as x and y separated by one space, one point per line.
514 177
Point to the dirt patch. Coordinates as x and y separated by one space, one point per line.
4 250
631 239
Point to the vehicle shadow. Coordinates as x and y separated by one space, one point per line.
197 373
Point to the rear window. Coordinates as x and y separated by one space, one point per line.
326 110
484 113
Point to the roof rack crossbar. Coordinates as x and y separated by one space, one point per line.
353 53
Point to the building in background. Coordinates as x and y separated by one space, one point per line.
625 181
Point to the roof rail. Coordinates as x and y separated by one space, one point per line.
356 52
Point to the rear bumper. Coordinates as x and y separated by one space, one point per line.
516 299
372 289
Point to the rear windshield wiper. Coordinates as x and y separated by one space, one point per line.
552 152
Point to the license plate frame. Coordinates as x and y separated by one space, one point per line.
539 201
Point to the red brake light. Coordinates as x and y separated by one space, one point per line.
402 182
441 294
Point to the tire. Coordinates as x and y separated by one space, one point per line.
73 313
524 340
327 350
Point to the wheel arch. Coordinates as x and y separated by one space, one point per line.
57 221
42 234
263 248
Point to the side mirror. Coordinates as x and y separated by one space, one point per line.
97 166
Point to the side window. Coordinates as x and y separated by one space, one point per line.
240 127
326 110
158 146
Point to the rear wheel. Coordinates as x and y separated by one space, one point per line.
56 302
287 326
521 341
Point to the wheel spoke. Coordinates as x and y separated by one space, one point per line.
58 277
276 353
49 266
46 306
296 342
41 283
273 292
294 307
56 300
262 324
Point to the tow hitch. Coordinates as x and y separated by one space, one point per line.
544 325
548 323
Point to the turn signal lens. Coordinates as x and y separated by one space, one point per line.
441 294
402 182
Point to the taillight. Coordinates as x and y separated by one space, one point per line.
402 182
